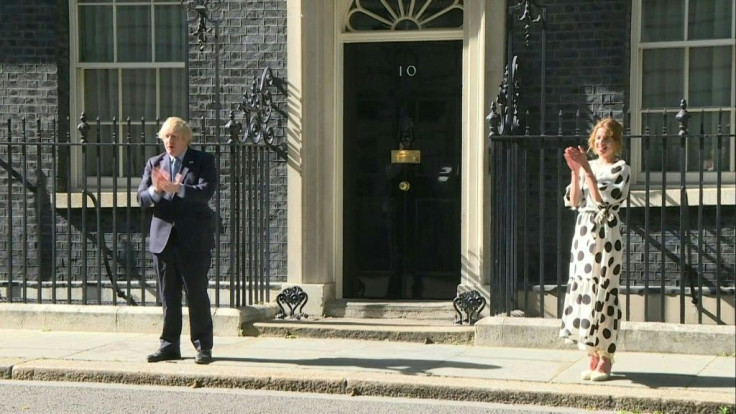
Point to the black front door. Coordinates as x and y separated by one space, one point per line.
402 213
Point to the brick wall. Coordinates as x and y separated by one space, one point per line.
34 83
252 38
587 62
587 71
33 58
673 250
544 244
33 69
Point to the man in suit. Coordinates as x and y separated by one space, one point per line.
178 184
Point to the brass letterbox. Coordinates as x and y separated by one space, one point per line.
406 156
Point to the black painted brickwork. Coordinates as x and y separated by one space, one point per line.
252 38
673 250
587 72
587 62
557 223
34 67
33 59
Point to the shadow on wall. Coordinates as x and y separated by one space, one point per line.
32 201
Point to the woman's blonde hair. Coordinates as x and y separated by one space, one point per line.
178 126
614 130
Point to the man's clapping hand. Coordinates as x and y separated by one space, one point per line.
162 181
160 178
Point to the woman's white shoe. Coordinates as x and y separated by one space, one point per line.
599 376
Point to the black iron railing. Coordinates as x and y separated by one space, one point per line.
678 231
71 230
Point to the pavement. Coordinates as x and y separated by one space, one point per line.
641 382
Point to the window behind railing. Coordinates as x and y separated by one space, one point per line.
129 62
683 49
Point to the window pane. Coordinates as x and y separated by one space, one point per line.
710 76
134 34
139 94
404 15
441 14
703 149
170 34
100 93
138 154
98 150
95 34
174 93
662 20
662 150
662 78
710 19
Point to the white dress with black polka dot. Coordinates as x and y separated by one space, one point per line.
591 314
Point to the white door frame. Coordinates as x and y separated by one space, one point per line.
315 75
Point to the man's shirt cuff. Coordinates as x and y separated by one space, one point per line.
156 197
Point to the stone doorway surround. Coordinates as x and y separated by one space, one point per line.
315 39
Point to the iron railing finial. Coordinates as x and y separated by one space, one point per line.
83 127
682 117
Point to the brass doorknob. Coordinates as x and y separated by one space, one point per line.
404 186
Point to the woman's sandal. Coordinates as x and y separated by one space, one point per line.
592 365
602 371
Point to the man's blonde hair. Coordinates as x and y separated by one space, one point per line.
178 126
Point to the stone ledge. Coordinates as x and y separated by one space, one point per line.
633 336
489 331
429 334
147 319
6 367
370 309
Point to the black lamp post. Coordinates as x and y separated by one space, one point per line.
257 107
203 18
532 13
507 102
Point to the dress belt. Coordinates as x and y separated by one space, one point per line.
603 214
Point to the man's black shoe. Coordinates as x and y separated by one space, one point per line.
160 355
203 357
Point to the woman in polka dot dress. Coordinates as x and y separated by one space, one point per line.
592 314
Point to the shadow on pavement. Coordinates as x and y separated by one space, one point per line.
374 324
664 380
405 366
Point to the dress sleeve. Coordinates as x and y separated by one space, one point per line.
568 193
613 183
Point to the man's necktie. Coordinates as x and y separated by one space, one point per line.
174 168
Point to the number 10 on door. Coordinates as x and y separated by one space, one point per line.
409 71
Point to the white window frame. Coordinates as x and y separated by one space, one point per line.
76 83
673 178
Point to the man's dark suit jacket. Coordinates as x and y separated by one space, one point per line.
192 216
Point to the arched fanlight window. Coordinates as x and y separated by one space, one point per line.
404 15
